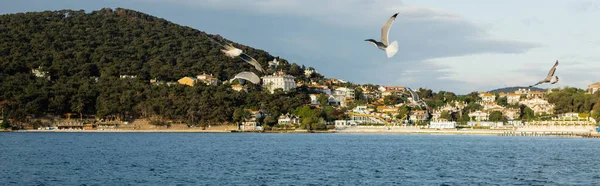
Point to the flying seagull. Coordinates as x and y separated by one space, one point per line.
555 80
235 52
246 76
274 63
390 49
549 76
252 61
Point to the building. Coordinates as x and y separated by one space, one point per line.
279 80
239 88
593 88
308 72
418 115
535 94
207 79
189 81
288 119
127 76
513 98
443 125
479 116
511 113
522 91
343 91
487 97
539 106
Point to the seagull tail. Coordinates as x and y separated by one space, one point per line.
391 49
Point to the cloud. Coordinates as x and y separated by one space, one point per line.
585 6
532 21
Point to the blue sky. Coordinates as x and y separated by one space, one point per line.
459 45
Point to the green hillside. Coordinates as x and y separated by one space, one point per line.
75 48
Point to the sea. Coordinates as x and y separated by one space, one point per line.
294 159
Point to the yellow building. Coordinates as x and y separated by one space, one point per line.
593 88
187 81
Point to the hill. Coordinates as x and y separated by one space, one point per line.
84 54
513 89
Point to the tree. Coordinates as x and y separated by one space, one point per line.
392 100
446 115
496 116
403 112
526 113
502 101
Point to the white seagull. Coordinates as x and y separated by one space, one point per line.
274 63
250 76
390 49
549 76
235 52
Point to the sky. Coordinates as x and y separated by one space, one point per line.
459 46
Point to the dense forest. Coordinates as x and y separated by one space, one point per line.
83 56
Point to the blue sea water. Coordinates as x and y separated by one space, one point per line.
294 159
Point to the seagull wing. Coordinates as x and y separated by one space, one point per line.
555 80
215 41
551 72
248 76
385 30
252 61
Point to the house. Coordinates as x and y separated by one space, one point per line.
593 88
239 88
487 97
127 76
252 124
288 119
207 79
418 115
492 107
511 113
344 91
538 105
314 99
513 98
39 73
479 116
189 81
535 94
522 91
279 80
308 72
443 125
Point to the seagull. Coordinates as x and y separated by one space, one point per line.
549 76
274 63
555 80
231 51
246 76
235 52
390 49
252 61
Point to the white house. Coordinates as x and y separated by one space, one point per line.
288 119
443 125
208 79
487 97
538 105
593 88
344 91
479 115
513 98
314 99
279 80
